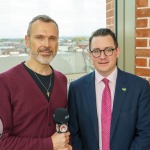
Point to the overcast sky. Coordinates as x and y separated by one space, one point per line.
74 17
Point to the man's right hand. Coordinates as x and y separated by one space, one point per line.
61 141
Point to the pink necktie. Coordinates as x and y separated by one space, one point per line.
106 116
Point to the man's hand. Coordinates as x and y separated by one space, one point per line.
60 141
69 147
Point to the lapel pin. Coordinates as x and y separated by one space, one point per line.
124 89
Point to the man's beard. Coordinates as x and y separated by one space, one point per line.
44 60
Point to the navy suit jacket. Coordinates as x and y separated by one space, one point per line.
130 126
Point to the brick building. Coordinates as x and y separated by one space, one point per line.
141 32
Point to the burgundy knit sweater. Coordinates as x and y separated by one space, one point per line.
25 112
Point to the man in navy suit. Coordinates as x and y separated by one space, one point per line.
130 101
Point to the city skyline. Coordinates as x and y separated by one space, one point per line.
74 17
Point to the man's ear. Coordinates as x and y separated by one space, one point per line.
118 52
27 41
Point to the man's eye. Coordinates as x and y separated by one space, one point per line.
96 51
53 38
39 37
108 49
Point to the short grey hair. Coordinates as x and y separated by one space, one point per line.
43 18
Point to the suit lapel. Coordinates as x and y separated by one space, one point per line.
91 100
120 92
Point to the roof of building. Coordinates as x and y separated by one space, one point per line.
65 62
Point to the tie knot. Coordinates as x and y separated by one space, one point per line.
106 81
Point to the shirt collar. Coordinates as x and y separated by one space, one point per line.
112 77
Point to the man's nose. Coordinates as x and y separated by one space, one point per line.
102 54
46 43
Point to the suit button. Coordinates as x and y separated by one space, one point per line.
49 124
